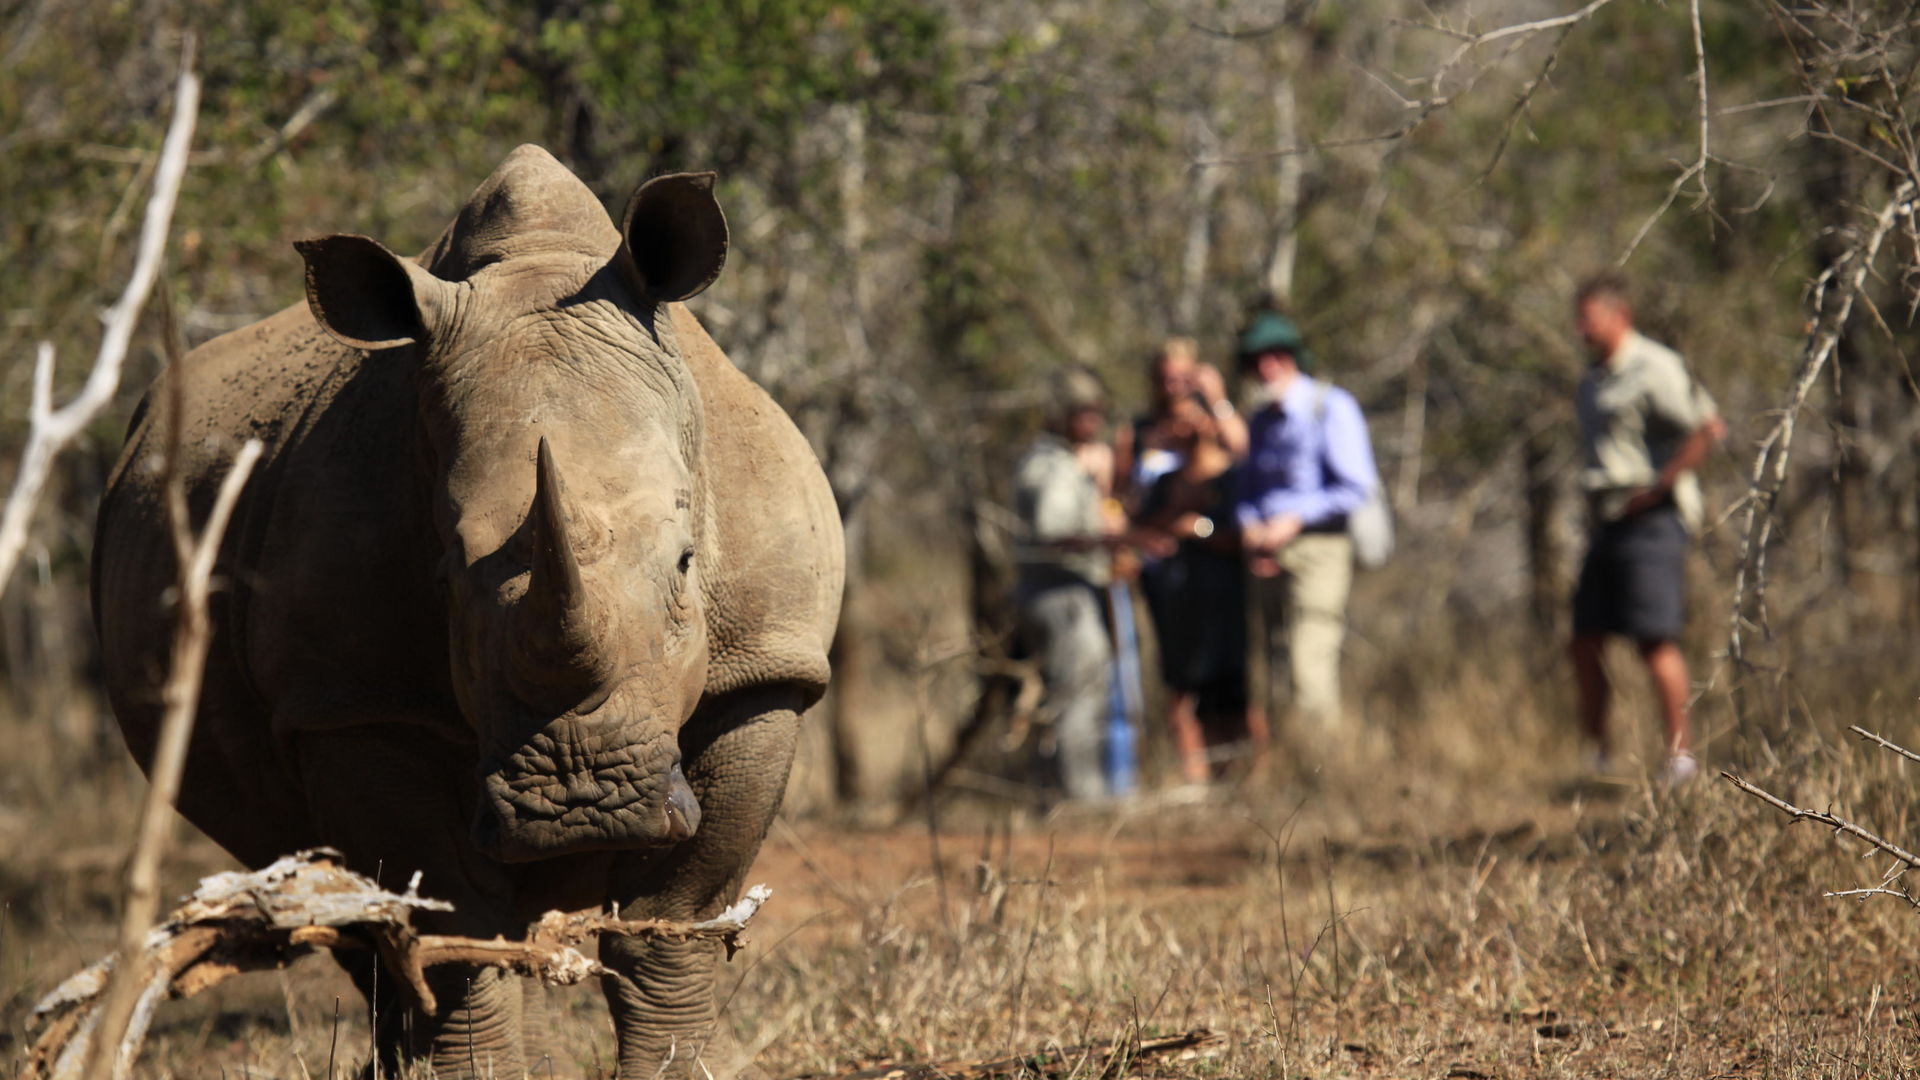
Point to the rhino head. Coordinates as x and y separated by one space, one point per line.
560 431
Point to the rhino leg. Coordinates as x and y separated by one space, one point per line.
737 752
470 1037
361 781
537 1015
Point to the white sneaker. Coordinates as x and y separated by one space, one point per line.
1681 767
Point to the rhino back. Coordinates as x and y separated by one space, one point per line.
773 596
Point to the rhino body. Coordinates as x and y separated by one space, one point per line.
528 594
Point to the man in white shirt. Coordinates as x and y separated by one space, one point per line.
1645 425
1065 565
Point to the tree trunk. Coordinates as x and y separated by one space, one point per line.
993 619
1543 549
1199 246
853 461
1833 186
1290 170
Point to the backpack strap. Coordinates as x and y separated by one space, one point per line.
1321 391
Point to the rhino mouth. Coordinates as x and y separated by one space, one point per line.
559 794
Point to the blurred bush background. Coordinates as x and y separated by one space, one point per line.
934 204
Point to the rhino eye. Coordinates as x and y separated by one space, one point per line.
686 560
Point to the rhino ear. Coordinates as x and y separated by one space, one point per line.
675 235
366 296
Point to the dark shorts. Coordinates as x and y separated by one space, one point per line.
1634 579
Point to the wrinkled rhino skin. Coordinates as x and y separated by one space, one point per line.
527 594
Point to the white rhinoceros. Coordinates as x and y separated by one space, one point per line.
528 593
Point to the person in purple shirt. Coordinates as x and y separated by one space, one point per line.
1309 465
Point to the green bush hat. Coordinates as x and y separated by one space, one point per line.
1269 331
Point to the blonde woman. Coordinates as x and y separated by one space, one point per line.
1144 449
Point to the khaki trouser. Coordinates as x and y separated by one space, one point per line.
1302 615
1066 628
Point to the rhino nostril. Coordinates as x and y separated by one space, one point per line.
682 809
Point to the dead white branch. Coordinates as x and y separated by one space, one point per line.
1289 180
1698 168
1847 275
259 921
1862 894
132 993
1516 36
52 429
1469 42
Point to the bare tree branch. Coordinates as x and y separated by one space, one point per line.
1876 891
1885 743
1436 99
303 116
1832 821
1251 33
1526 30
1833 298
1525 99
1696 170
52 429
193 631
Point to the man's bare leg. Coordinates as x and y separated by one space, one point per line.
1188 740
1590 676
1668 666
1260 736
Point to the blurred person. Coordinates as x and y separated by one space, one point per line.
1197 597
1143 448
1064 566
1309 465
1645 425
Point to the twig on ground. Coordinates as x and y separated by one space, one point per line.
1090 1059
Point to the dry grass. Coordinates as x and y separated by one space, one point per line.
1446 902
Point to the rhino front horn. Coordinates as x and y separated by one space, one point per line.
554 623
556 569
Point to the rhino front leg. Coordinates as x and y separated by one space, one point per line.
471 1036
389 797
737 752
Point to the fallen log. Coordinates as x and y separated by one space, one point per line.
239 922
